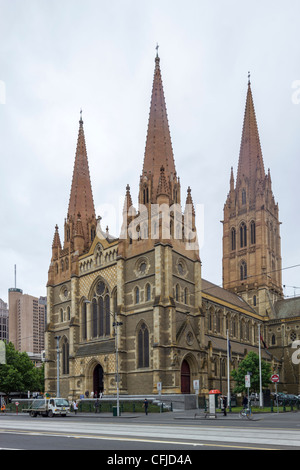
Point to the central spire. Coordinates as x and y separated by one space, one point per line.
158 151
250 160
81 196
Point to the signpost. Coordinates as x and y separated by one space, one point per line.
275 380
159 387
247 384
196 388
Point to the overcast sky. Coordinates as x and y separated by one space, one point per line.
57 57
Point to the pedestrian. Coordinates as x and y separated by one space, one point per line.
145 405
245 401
97 404
75 407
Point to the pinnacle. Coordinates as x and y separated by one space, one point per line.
158 151
81 197
250 159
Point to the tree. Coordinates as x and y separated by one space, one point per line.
251 364
19 374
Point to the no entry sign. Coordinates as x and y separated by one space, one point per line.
275 378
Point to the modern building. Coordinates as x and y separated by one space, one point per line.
26 322
131 312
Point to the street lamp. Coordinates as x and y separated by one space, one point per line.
57 365
116 324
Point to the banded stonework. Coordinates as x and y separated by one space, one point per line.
172 324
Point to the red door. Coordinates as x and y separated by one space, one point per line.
185 377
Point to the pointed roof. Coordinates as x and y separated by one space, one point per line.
250 160
158 151
162 188
81 196
127 201
56 239
189 201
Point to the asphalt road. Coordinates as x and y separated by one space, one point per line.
141 436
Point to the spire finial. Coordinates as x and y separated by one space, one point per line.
80 120
249 78
157 46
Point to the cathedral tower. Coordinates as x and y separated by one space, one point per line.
251 227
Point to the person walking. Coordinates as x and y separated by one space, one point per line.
75 407
97 404
145 405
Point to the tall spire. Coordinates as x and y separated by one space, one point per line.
250 159
81 196
158 151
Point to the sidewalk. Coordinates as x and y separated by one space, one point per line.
171 415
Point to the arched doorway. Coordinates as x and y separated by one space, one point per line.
98 380
185 377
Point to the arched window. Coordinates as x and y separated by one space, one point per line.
137 295
243 235
145 195
107 315
65 356
243 270
234 327
101 311
95 317
84 321
143 346
273 340
210 319
61 315
177 293
68 313
148 292
101 315
218 322
252 233
244 196
233 239
186 295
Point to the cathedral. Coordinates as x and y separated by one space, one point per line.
132 313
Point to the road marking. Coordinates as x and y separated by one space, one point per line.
151 441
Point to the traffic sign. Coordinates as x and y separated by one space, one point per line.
275 378
247 381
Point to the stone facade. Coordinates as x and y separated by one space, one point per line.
140 298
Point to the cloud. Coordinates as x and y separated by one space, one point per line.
58 57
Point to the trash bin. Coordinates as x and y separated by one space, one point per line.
115 411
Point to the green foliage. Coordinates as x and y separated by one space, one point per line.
19 374
251 364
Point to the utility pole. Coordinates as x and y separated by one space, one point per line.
57 365
116 324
